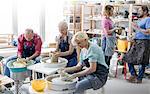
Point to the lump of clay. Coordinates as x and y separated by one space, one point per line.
54 59
19 63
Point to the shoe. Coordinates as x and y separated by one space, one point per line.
131 78
138 81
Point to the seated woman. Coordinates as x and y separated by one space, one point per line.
92 69
64 47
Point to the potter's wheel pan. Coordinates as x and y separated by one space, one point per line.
62 62
59 85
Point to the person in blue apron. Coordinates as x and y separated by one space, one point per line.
64 47
29 47
72 59
92 69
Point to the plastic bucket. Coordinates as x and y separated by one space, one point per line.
122 45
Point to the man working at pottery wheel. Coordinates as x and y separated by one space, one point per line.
29 47
91 70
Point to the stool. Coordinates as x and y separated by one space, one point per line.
124 64
98 91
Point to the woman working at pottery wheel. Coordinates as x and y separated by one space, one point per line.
92 69
64 47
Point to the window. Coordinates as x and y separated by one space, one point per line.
6 17
42 16
53 15
28 15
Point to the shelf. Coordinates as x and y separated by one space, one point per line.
120 5
95 31
94 18
73 29
121 20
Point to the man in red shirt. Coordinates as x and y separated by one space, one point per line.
29 47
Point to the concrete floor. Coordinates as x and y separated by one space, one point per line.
113 86
121 86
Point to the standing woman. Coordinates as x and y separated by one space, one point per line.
64 47
139 53
108 33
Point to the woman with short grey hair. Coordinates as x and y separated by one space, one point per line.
64 47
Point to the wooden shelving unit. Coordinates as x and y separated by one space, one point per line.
91 15
72 14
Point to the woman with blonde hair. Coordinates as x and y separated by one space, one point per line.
91 69
108 33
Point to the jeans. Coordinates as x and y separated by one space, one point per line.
83 85
93 81
133 71
6 69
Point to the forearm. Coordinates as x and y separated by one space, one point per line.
85 72
110 31
19 54
69 52
73 69
137 28
65 53
145 31
34 55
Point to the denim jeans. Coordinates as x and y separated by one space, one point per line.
6 69
133 71
93 81
83 85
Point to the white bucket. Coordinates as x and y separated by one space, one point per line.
117 72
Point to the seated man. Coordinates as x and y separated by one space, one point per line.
29 47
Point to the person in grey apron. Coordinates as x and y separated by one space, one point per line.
92 69
139 53
108 37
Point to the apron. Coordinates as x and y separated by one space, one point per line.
99 77
139 53
28 50
64 46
